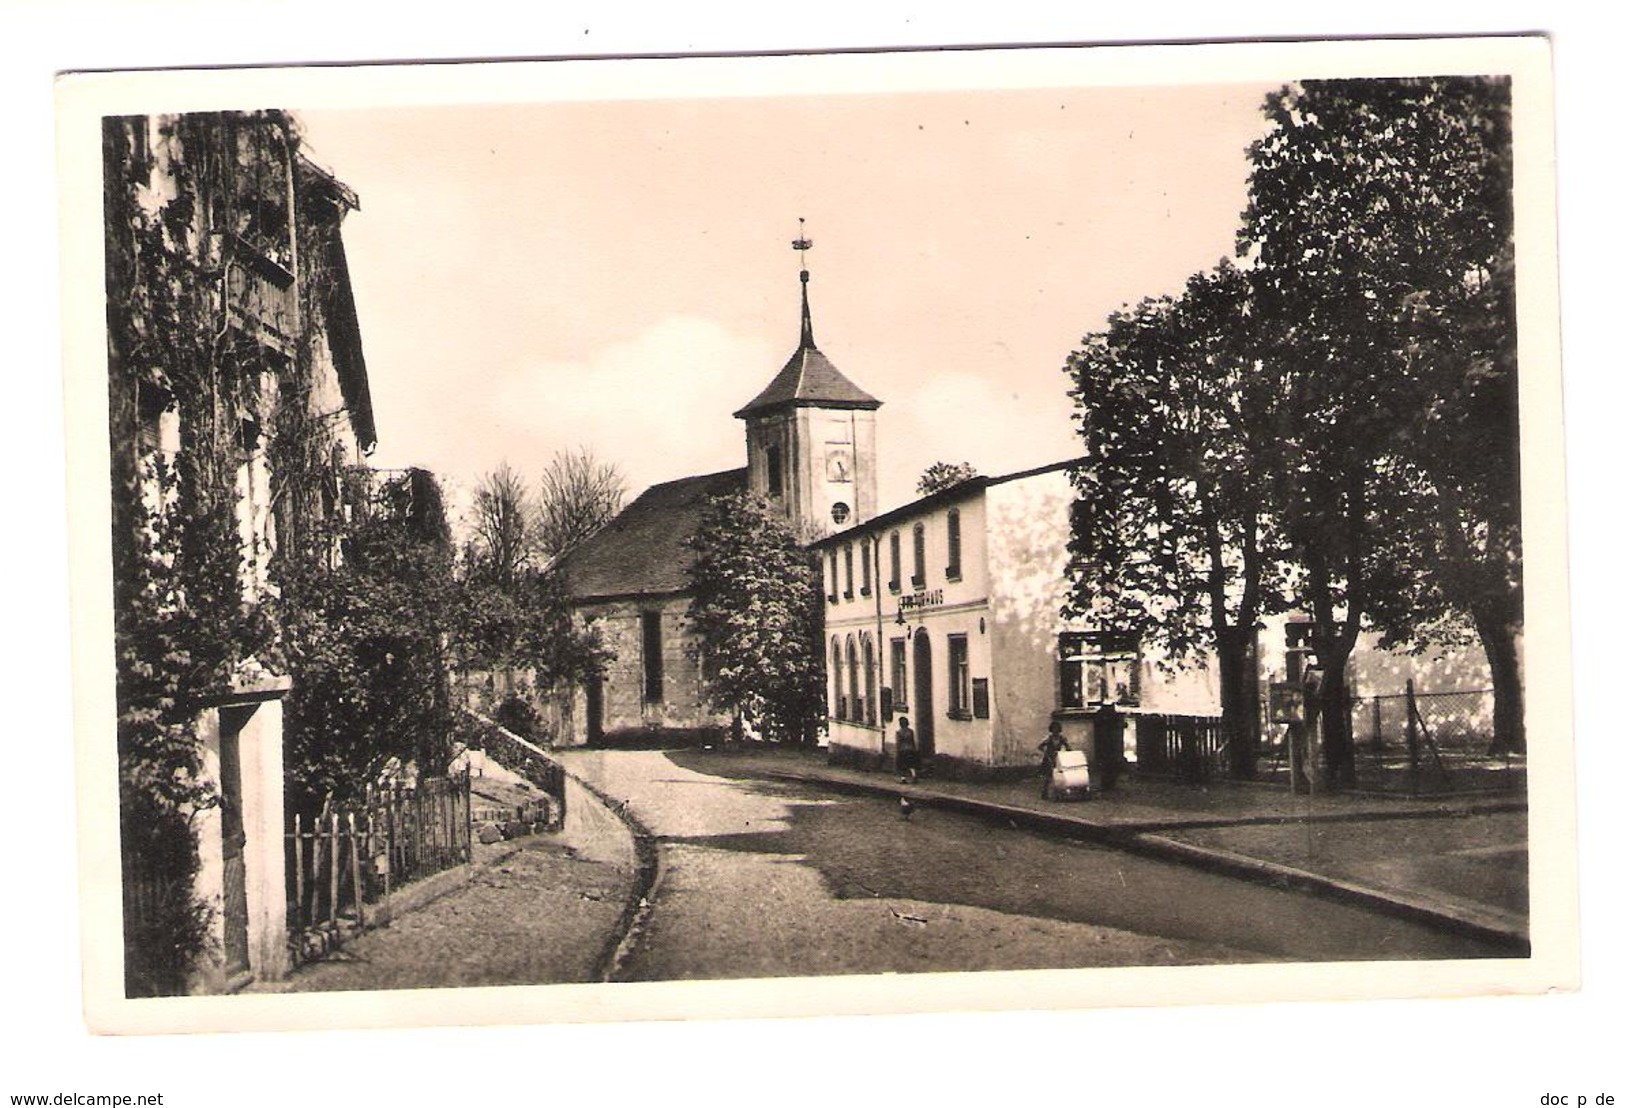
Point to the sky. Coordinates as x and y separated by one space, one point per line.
619 275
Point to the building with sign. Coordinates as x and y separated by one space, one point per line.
948 611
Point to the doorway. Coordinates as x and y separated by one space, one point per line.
233 840
924 714
595 709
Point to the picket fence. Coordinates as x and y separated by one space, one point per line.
343 863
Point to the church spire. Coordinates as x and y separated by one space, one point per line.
803 244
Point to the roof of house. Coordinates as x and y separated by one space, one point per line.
948 495
643 551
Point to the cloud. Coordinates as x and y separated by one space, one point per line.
658 404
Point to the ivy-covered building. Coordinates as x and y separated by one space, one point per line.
238 398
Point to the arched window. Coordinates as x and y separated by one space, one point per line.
919 556
895 583
837 702
870 698
854 679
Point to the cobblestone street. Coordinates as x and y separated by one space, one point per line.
767 879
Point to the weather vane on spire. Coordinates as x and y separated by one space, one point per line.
802 244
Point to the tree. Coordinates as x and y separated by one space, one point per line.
1380 228
578 495
504 531
758 611
1173 539
944 475
366 642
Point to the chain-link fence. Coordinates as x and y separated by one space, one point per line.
1421 743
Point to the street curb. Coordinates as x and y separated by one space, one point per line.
640 900
1480 925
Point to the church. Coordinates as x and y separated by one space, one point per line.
949 609
809 448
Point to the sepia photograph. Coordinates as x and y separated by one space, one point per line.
897 519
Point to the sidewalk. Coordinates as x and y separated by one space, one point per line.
539 909
1459 863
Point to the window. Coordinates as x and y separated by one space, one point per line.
654 668
775 472
837 702
953 544
959 677
870 699
899 674
895 584
866 570
919 556
839 511
1099 667
847 553
854 679
834 572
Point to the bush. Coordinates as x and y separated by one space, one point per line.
516 714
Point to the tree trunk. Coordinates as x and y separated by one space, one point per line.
1236 701
1336 740
1499 638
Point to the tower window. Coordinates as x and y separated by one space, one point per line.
775 472
839 511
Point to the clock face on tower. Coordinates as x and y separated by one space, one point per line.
838 463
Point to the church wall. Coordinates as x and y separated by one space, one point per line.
627 708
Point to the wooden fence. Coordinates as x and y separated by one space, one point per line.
1191 748
344 862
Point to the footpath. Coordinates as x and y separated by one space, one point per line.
1458 862
539 909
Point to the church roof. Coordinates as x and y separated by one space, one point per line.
809 379
643 551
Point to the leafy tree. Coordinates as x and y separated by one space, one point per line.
578 495
1380 227
759 614
524 623
367 646
944 475
1173 538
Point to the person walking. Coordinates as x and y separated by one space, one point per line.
908 752
1053 744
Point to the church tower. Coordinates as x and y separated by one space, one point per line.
810 436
